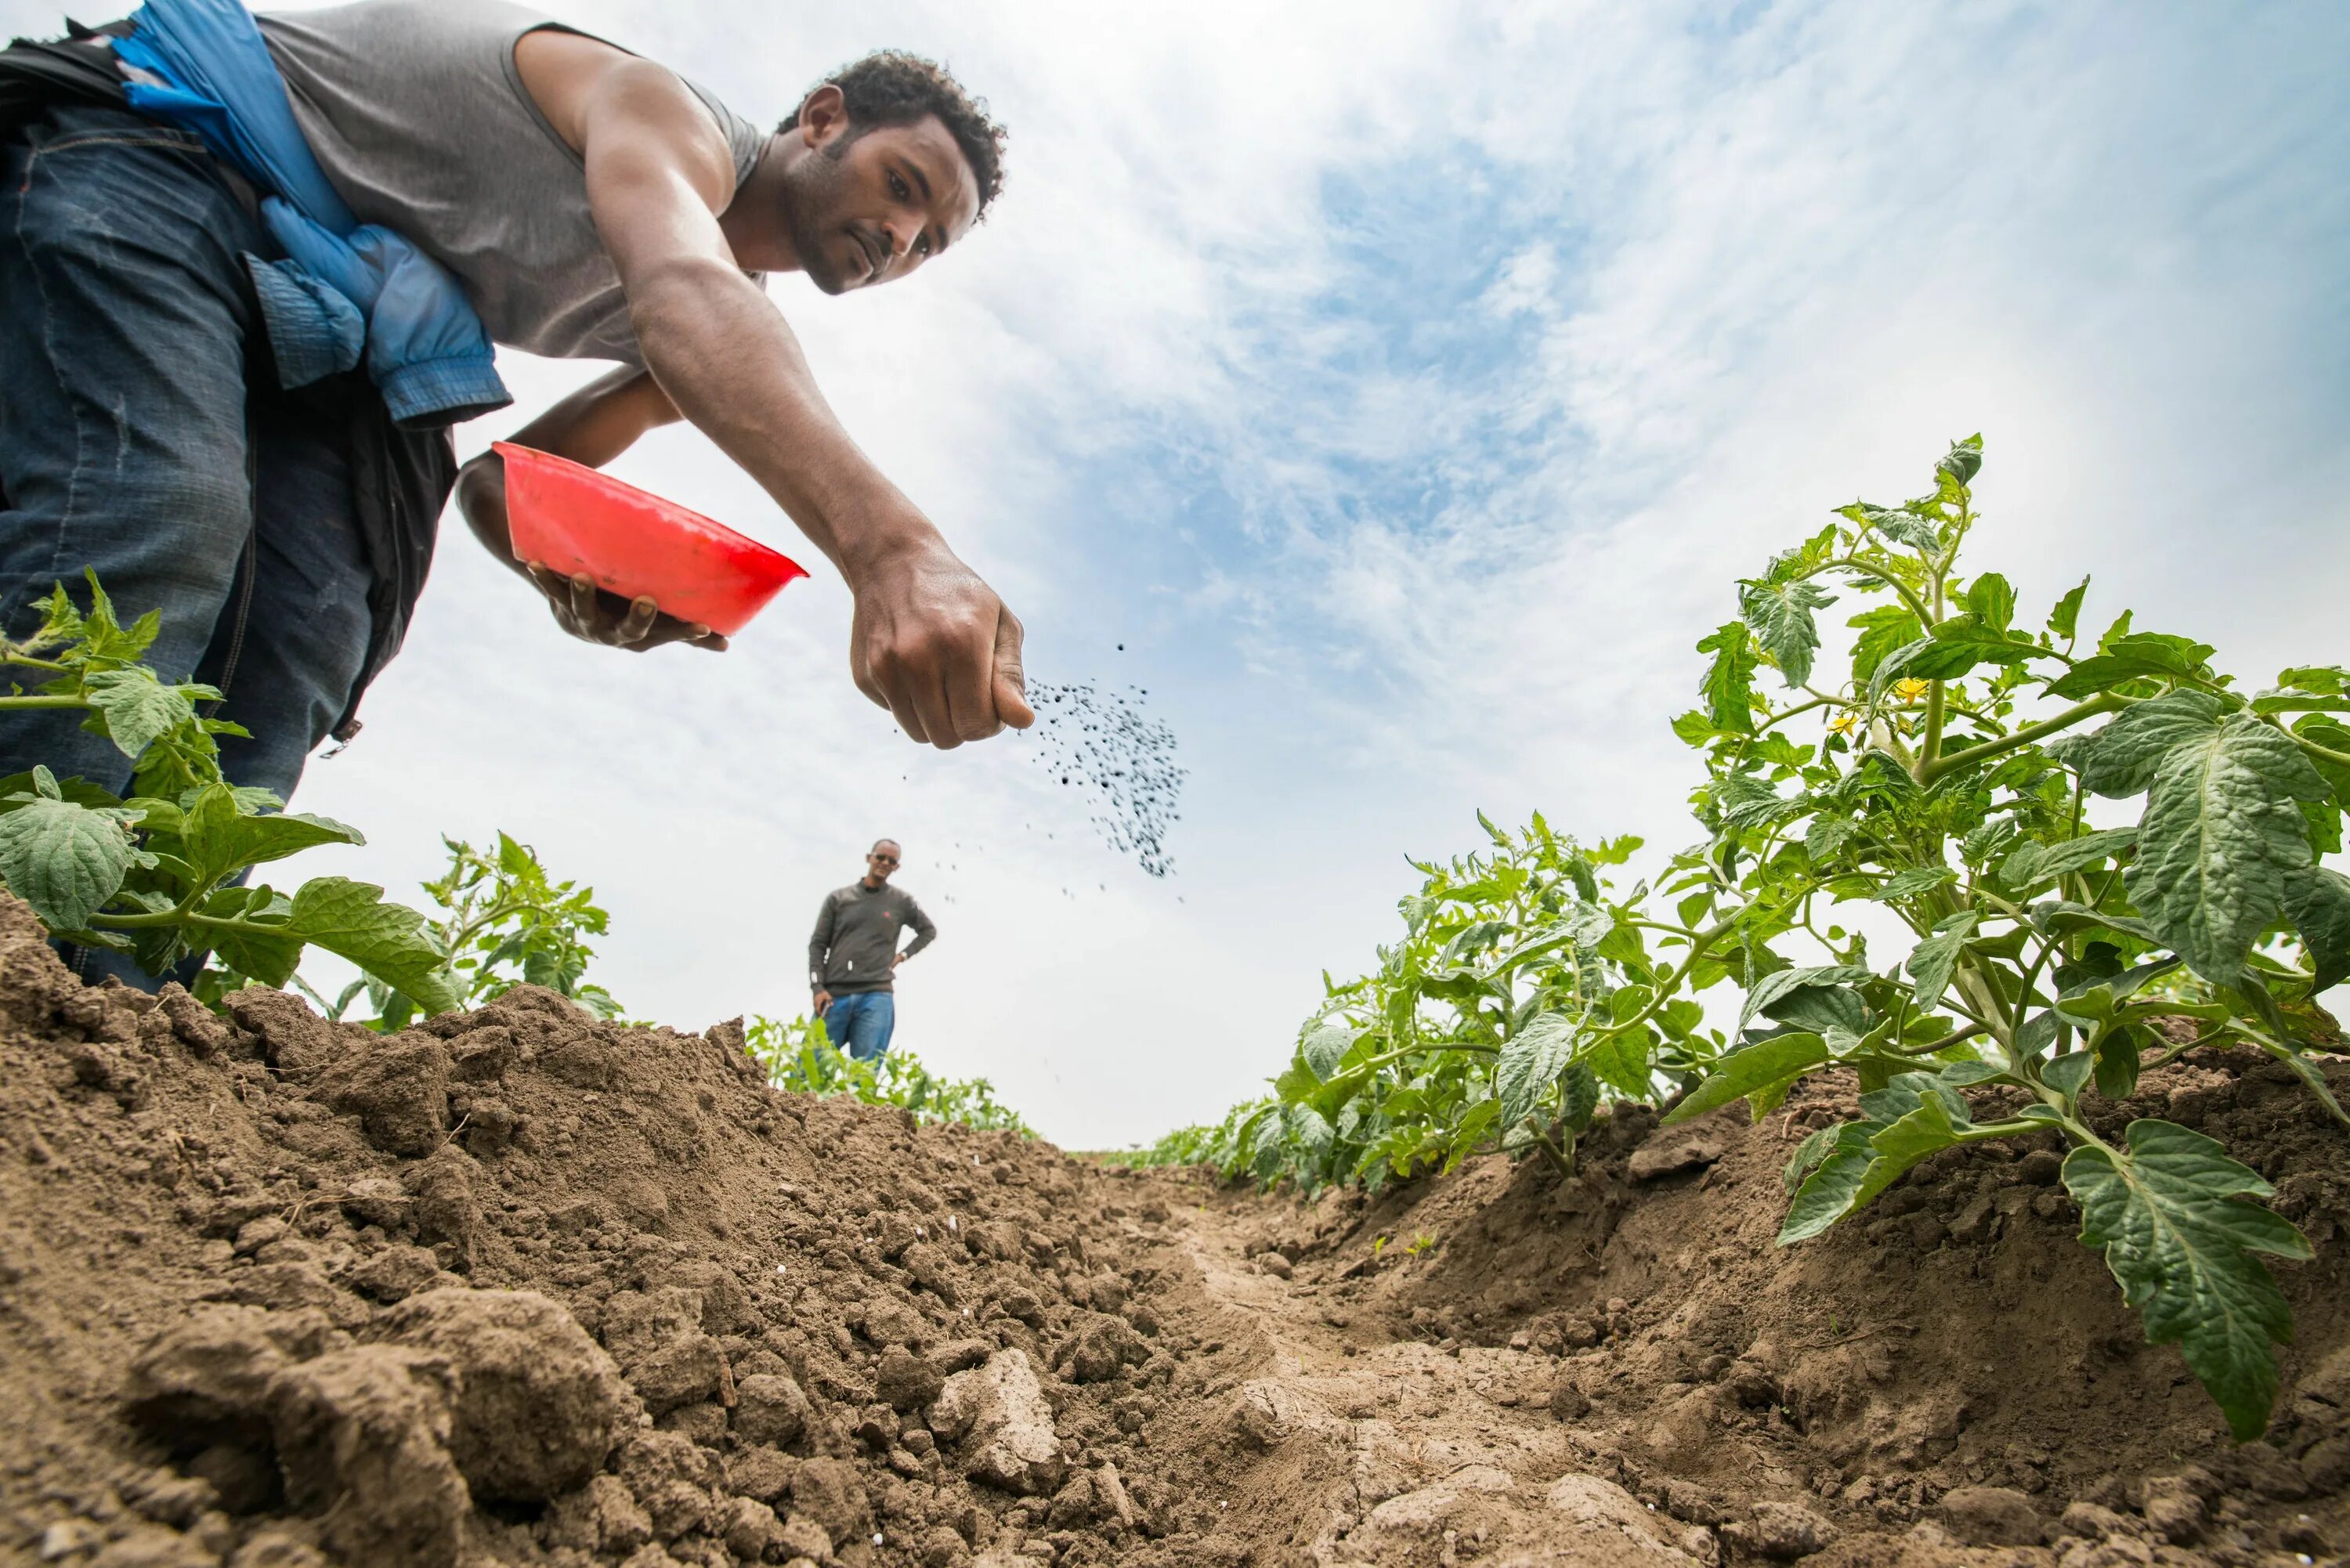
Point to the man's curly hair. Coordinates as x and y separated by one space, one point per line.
892 87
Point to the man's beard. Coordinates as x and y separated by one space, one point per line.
812 190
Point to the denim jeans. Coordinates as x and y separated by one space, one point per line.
131 441
861 1023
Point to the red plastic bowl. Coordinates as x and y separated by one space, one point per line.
569 517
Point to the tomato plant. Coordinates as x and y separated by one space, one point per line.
1938 772
798 1055
160 875
504 922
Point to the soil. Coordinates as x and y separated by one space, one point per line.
519 1287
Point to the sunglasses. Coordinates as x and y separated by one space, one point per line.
883 859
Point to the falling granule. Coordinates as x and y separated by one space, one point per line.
1106 743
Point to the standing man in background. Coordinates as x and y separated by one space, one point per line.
853 956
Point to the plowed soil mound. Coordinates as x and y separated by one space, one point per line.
522 1288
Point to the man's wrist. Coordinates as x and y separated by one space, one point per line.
881 534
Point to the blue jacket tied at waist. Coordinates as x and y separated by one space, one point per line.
346 287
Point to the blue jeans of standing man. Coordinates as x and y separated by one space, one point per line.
143 433
861 1023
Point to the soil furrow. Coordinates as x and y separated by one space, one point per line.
516 1287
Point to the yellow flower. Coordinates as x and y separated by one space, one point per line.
1845 723
1909 690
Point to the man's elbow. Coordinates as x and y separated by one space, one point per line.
673 300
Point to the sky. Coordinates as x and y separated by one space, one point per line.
1404 387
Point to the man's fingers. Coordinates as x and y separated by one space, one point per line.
1011 693
900 703
970 691
638 620
583 602
931 700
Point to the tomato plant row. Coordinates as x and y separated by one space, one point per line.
799 1056
1940 772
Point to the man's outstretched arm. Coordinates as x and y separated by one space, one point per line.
930 641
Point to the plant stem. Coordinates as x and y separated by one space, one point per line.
1932 745
2104 702
1671 981
1970 1031
40 701
1854 563
2323 754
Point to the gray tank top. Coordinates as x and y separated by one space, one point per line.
419 120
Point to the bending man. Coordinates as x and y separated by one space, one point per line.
251 269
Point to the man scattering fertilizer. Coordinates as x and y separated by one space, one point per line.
252 269
853 955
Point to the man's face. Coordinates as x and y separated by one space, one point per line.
880 860
871 208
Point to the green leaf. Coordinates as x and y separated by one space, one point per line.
1960 643
1929 1130
2134 656
1909 883
1728 684
2325 820
2066 1073
2170 1217
1904 527
2335 736
2317 901
2221 832
1325 1046
268 957
1773 990
1963 461
64 859
1578 1096
221 838
1695 728
2321 679
2117 1063
1826 1195
1992 600
2064 620
1296 1084
1752 1070
1816 1147
1530 1060
388 940
136 709
1933 960
1311 1132
1825 836
2121 759
2032 863
1882 629
1780 617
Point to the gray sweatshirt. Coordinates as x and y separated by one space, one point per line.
856 937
